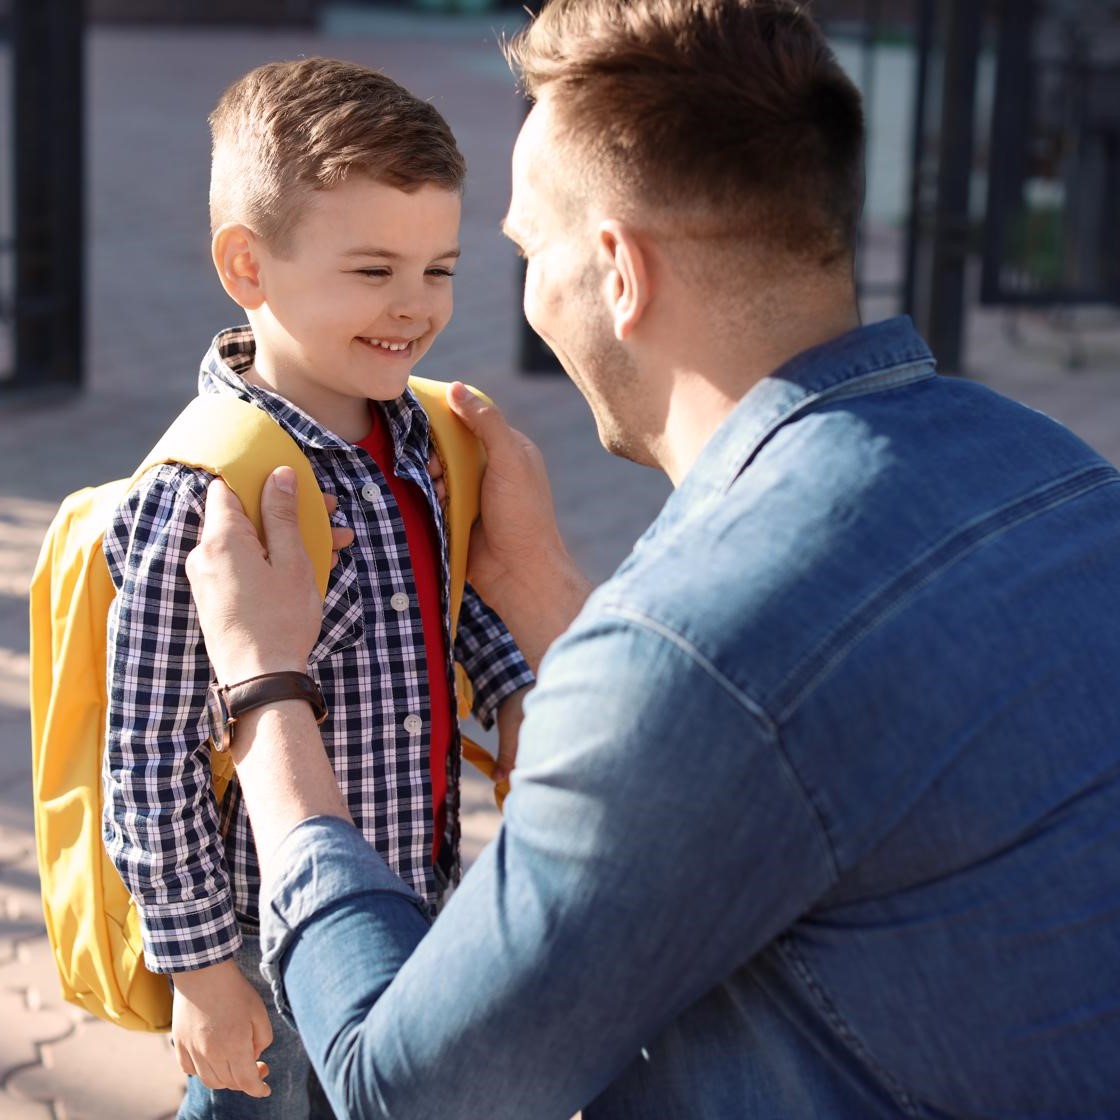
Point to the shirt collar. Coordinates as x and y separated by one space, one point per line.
231 354
889 352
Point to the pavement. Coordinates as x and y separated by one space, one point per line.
153 305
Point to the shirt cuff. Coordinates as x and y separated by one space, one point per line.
323 861
180 937
505 672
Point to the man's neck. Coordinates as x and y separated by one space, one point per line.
703 393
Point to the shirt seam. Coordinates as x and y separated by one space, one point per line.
750 704
940 557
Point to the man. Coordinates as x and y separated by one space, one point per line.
817 801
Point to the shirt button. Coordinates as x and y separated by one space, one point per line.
400 601
412 724
371 491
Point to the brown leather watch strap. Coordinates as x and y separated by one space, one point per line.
268 688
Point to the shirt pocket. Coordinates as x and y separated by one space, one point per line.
342 611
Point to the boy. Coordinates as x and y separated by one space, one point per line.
335 202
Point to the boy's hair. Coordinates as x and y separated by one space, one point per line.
288 128
731 116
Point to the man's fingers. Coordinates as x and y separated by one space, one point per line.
224 512
280 520
341 537
484 419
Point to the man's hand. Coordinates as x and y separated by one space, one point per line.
439 482
240 584
518 562
220 1028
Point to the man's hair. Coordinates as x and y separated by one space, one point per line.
733 117
289 128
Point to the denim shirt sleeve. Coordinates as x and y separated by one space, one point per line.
656 838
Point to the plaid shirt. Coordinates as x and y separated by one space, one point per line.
190 864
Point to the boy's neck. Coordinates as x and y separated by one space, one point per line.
345 416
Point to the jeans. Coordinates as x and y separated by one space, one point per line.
296 1093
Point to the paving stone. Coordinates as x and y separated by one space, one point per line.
14 667
20 918
16 812
31 971
16 1108
23 522
37 1026
100 1072
14 845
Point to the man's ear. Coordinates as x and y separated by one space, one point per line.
628 283
236 252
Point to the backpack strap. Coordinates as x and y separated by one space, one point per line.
233 438
464 463
241 443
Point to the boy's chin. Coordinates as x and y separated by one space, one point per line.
386 392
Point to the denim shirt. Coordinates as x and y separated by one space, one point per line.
818 805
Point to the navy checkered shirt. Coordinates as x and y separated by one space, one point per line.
191 864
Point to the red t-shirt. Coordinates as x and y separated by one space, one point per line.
424 553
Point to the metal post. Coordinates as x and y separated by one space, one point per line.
914 221
49 248
1008 164
951 237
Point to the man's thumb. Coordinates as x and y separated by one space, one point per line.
279 514
481 416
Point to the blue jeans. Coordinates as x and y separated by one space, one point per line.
296 1093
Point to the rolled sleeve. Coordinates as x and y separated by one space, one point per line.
490 656
325 862
552 953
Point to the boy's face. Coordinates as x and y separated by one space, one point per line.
358 297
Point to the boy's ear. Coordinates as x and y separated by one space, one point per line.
235 250
628 287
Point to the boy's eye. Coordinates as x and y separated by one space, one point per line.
376 272
448 272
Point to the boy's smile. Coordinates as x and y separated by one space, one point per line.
355 298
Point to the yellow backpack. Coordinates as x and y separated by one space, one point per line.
92 923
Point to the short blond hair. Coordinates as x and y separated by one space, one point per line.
289 128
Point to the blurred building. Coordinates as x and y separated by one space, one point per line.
261 12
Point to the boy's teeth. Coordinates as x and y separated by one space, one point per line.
387 345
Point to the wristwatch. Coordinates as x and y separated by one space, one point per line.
226 702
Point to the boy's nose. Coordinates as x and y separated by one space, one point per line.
409 303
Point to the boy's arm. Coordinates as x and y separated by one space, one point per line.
490 656
161 824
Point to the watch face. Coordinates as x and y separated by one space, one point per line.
218 717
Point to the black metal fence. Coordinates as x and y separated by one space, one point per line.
1052 234
43 260
1013 165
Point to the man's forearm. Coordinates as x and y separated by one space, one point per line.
539 605
284 773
